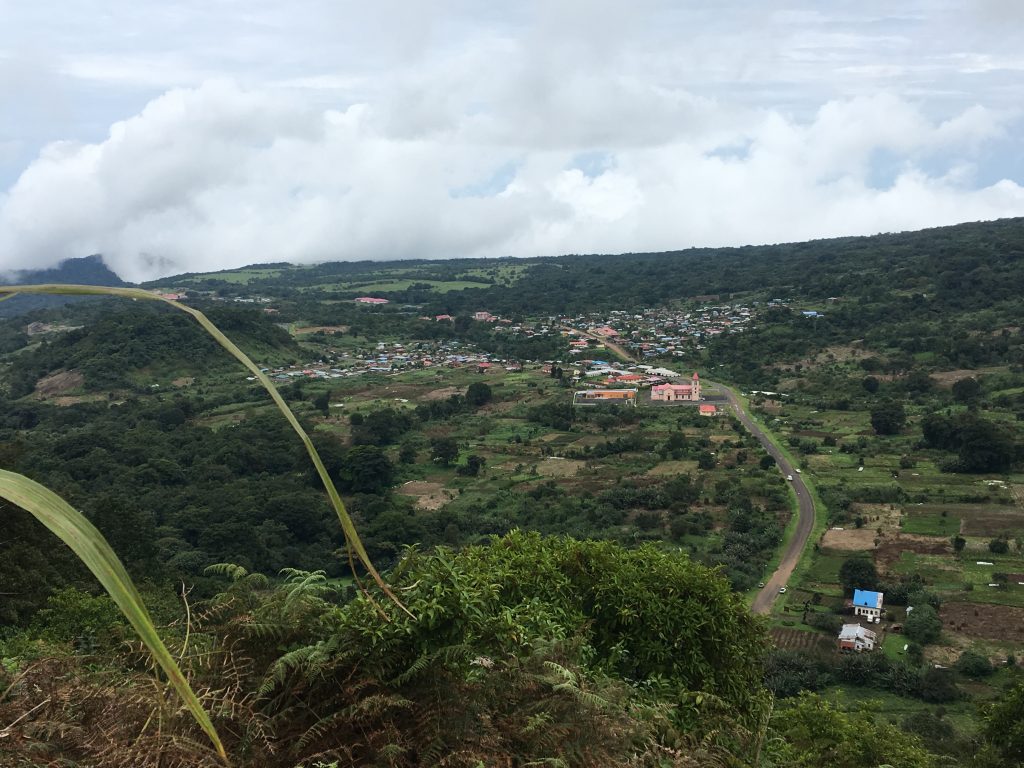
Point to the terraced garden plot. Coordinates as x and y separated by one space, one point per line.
825 568
803 641
931 523
941 572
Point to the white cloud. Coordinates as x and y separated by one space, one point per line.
334 129
221 176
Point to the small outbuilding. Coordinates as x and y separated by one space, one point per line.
854 637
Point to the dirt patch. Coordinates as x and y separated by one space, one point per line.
849 539
947 379
890 548
65 400
328 329
58 383
992 522
183 381
442 394
989 622
555 467
429 496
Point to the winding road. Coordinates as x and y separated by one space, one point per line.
805 522
766 598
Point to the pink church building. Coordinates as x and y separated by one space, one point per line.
671 393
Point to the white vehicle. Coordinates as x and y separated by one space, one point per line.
782 590
789 477
797 470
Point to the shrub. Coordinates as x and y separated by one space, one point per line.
973 664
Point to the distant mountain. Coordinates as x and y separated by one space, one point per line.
89 270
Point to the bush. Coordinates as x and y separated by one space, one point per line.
999 546
973 664
828 622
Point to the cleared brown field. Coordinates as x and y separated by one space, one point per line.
992 520
989 622
429 496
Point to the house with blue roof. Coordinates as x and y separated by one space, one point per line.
867 603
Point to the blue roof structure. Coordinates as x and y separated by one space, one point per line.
866 599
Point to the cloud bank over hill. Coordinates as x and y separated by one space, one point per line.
526 137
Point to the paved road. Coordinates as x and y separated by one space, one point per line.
805 523
614 347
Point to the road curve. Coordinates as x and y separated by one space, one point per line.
805 523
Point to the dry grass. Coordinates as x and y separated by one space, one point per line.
429 496
555 467
58 383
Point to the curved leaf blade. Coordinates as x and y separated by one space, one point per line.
71 527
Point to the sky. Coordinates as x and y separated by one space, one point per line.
193 136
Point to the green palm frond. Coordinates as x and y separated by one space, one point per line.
71 527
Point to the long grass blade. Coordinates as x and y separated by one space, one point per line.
71 527
351 536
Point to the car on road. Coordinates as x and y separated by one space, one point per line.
797 470
782 590
789 477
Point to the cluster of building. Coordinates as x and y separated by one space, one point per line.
853 637
393 358
661 332
626 384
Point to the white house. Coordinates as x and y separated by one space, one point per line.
854 637
867 604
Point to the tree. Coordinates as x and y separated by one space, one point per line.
705 460
959 542
888 418
999 546
966 390
479 394
938 686
407 453
1004 724
767 462
473 466
818 734
870 383
367 469
322 402
444 450
858 573
923 624
985 446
